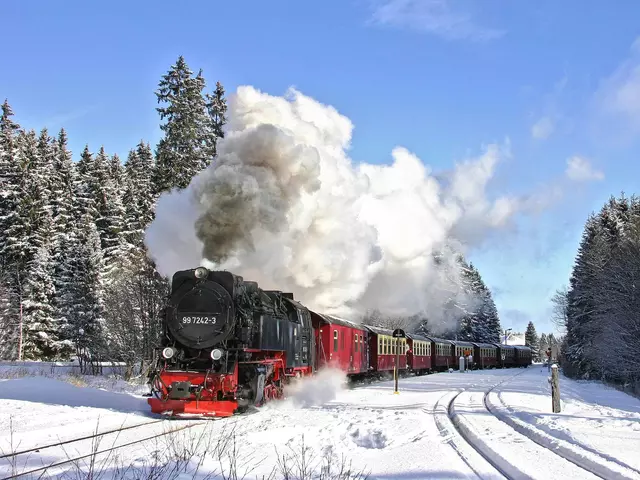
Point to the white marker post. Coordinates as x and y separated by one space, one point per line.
461 364
555 389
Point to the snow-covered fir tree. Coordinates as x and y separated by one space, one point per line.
63 194
83 186
81 291
10 275
532 341
8 324
603 308
189 141
109 218
217 109
116 173
138 197
41 339
480 322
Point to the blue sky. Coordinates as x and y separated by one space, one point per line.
442 78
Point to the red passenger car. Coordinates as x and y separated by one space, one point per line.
442 357
485 355
382 350
419 353
341 344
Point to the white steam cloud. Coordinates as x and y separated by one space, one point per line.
284 205
317 390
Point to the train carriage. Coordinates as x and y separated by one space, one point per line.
485 355
341 344
461 348
419 353
506 355
522 356
442 357
382 350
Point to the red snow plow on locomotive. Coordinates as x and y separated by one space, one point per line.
228 345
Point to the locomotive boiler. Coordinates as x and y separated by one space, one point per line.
227 344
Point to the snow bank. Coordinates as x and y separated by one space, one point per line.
50 391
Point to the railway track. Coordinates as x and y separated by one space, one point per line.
576 453
14 457
495 447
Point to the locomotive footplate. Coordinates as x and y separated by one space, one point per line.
210 408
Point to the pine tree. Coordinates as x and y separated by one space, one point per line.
63 199
82 291
217 109
492 327
580 301
116 173
190 136
10 181
480 322
8 318
532 341
41 333
84 187
109 209
10 194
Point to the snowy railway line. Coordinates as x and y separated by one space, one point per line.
486 424
74 440
14 458
496 446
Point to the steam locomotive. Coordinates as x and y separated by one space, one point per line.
228 344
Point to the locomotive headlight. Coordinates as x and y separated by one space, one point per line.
168 353
216 354
201 272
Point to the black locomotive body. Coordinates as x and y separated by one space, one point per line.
241 338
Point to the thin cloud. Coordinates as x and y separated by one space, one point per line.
580 170
435 17
550 117
543 128
617 99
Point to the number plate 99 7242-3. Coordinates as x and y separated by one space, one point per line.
198 320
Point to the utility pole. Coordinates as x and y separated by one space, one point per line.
505 334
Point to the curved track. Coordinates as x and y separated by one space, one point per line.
576 453
493 448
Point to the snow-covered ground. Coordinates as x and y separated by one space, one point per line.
404 436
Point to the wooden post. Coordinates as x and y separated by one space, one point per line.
555 389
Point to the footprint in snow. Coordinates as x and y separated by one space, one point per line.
369 439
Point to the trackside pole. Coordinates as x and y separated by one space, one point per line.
555 389
461 364
398 333
396 366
